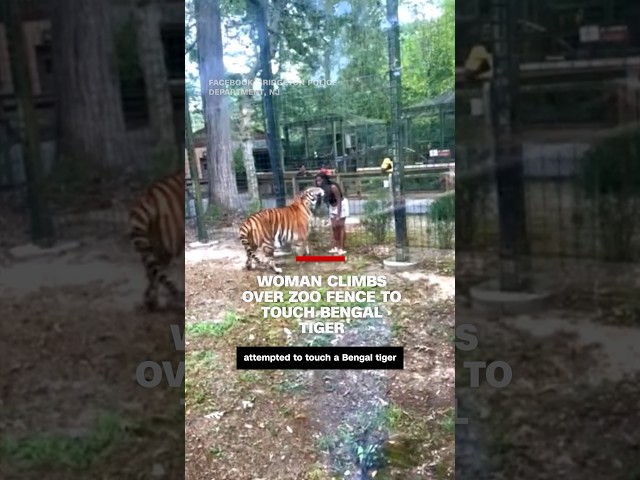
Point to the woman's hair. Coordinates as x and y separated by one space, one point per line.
326 185
325 178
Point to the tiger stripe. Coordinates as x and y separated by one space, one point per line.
156 222
285 226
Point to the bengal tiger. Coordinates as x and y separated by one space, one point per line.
156 221
284 225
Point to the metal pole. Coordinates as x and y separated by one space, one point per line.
507 147
399 206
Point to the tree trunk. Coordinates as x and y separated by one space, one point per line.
247 150
42 231
223 189
92 130
260 8
165 156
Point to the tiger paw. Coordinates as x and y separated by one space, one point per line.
277 269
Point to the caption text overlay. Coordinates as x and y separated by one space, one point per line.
314 358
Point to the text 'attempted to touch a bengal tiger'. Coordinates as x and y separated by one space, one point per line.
323 358
324 309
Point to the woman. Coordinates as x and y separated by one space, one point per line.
338 211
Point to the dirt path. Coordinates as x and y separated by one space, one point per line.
313 425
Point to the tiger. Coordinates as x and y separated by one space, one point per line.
156 230
284 225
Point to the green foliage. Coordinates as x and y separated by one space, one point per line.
428 56
213 329
373 186
238 162
314 38
609 174
612 167
52 451
254 206
192 84
213 215
442 214
377 217
443 209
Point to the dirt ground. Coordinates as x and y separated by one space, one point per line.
571 409
72 340
280 425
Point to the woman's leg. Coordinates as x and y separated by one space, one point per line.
336 235
340 234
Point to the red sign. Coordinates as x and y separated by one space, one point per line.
618 33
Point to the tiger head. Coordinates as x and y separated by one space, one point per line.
312 197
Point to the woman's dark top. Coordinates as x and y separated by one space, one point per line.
330 197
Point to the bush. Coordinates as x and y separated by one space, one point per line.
609 175
442 214
212 215
377 217
254 207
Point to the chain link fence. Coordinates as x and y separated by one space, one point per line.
336 114
370 222
580 154
76 184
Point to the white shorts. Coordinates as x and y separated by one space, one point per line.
333 211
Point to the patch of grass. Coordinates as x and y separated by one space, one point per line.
316 472
56 451
415 436
443 470
216 452
200 359
448 422
392 416
248 377
359 263
289 385
322 340
397 329
326 443
447 266
198 367
443 265
213 329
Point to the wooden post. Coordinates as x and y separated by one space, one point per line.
42 228
193 170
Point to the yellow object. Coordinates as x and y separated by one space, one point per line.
479 63
387 165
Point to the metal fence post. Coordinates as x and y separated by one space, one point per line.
395 83
507 147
